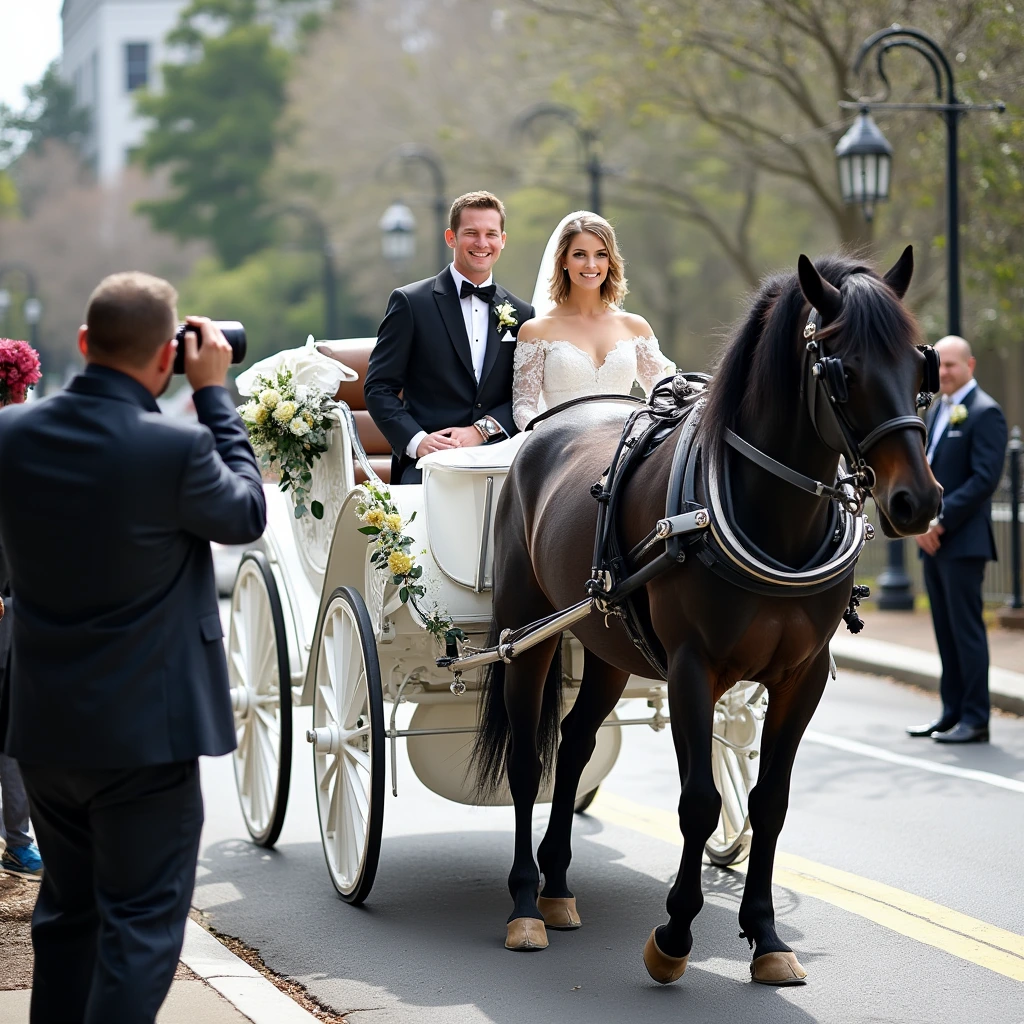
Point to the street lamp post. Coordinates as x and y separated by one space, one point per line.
412 154
329 273
398 235
588 138
864 157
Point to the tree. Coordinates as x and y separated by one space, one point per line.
49 113
216 126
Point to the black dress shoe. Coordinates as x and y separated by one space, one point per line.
963 733
939 725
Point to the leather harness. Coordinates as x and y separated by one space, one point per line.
699 517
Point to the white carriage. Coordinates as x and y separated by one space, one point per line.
313 622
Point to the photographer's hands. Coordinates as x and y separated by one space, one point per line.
206 365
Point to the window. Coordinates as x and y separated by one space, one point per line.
136 62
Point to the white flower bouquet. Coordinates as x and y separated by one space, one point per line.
288 425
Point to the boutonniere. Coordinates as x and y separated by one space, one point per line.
957 415
506 314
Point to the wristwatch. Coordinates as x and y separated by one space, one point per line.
488 428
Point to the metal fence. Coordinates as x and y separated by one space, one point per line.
999 574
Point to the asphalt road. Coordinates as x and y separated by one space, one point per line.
898 887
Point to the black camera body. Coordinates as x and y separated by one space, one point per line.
233 331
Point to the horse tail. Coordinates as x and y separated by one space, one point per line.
494 730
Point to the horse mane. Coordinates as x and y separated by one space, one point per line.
759 370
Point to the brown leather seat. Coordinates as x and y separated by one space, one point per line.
355 353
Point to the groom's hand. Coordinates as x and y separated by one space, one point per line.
438 441
466 437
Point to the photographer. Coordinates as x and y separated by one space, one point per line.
118 679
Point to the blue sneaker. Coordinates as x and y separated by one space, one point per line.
23 860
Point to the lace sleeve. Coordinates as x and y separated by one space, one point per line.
527 381
651 364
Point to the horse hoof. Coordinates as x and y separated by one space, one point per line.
777 969
559 912
526 933
662 968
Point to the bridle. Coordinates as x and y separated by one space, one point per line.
823 383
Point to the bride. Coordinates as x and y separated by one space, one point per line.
584 343
581 342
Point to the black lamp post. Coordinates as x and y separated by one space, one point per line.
412 154
398 235
588 138
864 158
330 277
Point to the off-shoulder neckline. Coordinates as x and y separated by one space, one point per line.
545 343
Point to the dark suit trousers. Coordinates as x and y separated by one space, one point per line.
954 590
411 475
120 851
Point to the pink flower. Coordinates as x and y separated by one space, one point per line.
19 370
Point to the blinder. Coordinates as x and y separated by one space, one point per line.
827 392
930 384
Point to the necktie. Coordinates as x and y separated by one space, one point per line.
481 291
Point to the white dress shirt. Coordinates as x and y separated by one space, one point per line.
942 416
476 316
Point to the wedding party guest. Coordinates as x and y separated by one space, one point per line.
966 448
118 678
19 371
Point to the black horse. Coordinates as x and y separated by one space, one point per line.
713 632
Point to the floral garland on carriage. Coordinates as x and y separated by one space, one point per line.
289 415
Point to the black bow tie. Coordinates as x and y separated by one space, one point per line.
482 291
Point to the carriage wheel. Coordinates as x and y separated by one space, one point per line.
583 802
736 745
348 745
261 698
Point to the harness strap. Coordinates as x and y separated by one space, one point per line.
889 426
791 476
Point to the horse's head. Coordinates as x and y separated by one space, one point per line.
864 371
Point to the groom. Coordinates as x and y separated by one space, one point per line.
440 375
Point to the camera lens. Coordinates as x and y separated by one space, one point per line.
233 331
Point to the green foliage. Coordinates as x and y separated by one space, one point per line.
216 126
277 294
49 113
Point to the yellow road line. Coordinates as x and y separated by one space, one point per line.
931 923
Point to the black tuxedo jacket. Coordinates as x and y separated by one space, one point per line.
968 462
423 354
106 515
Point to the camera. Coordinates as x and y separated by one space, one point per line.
233 331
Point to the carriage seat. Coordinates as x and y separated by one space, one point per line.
355 353
460 495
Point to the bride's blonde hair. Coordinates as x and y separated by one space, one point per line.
613 288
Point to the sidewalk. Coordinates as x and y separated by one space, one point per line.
211 985
901 645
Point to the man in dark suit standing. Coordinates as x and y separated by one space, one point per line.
966 449
446 346
118 678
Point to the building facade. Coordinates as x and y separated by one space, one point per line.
112 48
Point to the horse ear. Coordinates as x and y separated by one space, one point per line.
898 278
824 297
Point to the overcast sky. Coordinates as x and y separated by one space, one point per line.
29 40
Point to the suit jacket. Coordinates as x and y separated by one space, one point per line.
6 624
423 354
968 462
106 516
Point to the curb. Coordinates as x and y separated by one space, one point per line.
241 985
921 668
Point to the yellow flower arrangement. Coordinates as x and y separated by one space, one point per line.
400 563
385 529
957 415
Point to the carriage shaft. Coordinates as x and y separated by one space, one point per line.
507 650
